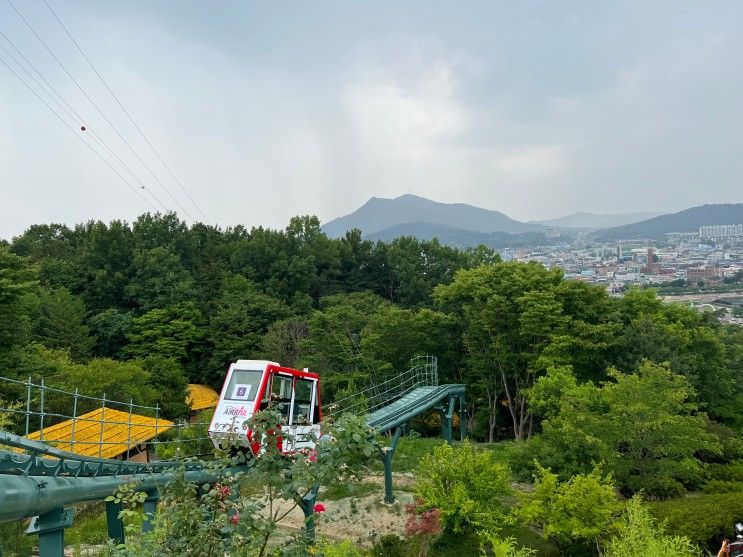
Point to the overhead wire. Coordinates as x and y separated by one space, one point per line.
73 114
97 108
134 188
128 115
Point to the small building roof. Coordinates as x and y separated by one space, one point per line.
201 397
104 432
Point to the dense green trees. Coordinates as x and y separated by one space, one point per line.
651 393
349 308
517 319
643 426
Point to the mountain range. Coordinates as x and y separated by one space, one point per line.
462 225
593 220
688 220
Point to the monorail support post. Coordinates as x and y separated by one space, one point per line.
462 417
50 528
386 453
307 504
446 418
114 524
150 507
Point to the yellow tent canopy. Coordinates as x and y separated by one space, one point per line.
104 432
201 397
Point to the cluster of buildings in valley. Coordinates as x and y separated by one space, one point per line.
691 260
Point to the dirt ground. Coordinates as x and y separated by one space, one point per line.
360 519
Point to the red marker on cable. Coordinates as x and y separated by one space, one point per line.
82 128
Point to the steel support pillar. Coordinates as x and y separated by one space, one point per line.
386 453
307 504
50 528
150 507
462 417
447 413
114 523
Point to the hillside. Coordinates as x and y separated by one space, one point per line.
379 214
458 237
594 220
688 220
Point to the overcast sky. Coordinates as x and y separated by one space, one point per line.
266 110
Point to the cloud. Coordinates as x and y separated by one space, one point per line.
265 113
408 116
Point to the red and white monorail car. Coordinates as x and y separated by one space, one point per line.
253 385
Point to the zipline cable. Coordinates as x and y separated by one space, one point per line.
128 115
93 103
70 110
76 134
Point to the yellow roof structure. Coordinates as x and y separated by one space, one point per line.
201 397
106 425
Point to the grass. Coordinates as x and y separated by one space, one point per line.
409 452
88 526
343 491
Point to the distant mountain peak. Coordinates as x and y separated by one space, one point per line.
380 213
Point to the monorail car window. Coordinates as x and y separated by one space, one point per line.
281 395
243 385
302 402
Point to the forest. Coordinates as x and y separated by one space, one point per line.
579 389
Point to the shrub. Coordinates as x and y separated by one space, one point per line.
704 519
390 546
422 525
345 548
499 547
467 484
636 535
732 472
571 512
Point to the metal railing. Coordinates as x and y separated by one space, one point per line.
422 373
44 408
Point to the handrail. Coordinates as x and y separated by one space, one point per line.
422 373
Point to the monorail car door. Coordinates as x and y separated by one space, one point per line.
296 399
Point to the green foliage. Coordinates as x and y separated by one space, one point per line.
467 484
394 336
656 455
189 441
334 341
704 519
346 548
391 546
283 338
410 452
635 534
494 546
110 329
58 322
169 332
122 381
521 319
574 511
169 381
18 279
158 279
690 343
214 520
241 318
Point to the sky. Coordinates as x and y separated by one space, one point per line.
265 110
